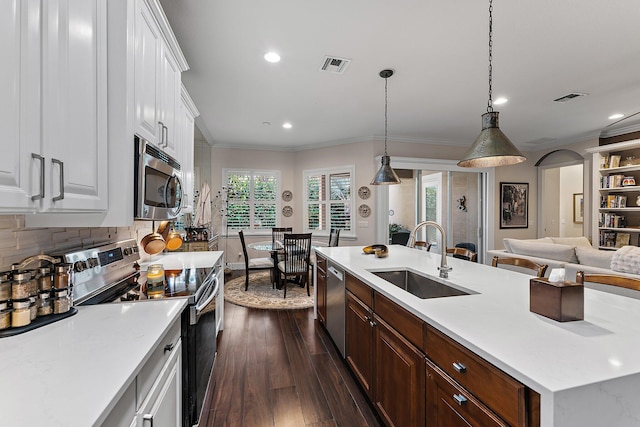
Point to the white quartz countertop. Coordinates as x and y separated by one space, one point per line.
70 373
572 363
181 260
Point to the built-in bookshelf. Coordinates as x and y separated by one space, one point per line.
616 198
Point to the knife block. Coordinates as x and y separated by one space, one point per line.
560 301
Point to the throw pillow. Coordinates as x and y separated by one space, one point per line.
553 251
626 260
573 241
507 242
593 257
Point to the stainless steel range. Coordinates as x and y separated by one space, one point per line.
110 273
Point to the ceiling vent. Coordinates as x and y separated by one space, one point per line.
570 96
334 64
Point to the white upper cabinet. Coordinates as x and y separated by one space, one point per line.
187 113
158 66
54 106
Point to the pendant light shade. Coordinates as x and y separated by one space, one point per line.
385 175
492 147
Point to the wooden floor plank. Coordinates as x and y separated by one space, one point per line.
287 410
258 407
306 325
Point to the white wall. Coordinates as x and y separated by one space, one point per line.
570 183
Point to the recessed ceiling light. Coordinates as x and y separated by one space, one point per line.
287 125
500 101
616 116
272 57
266 123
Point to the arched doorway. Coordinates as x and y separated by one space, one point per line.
561 195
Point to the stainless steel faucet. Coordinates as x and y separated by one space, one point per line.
444 268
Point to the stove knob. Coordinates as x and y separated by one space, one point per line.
92 262
128 251
79 266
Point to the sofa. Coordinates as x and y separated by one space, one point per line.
574 254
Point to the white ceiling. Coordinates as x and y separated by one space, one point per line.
543 50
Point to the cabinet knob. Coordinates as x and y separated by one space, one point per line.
168 347
459 367
460 399
372 323
149 418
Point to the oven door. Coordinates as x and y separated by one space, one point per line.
201 348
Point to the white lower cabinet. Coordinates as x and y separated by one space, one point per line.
163 405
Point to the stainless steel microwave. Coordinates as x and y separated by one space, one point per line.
158 189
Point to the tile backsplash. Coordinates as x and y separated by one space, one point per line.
18 242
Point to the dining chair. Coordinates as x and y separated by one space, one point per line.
609 279
521 263
422 245
462 253
297 249
253 264
334 236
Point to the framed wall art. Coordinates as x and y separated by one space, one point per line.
578 208
514 205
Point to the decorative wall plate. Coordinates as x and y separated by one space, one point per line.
364 210
287 195
364 192
287 211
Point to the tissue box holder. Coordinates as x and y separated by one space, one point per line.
561 301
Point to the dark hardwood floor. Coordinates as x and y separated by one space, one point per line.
280 368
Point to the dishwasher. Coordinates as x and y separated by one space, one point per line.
336 305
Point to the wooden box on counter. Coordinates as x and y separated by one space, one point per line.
561 301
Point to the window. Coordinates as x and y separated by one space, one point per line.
252 200
328 199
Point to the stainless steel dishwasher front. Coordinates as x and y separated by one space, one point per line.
336 305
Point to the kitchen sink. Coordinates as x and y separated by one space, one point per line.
419 285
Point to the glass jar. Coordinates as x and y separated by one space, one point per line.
155 281
5 315
23 285
43 304
5 285
61 301
45 281
33 310
21 314
62 276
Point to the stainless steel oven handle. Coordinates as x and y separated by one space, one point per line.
214 293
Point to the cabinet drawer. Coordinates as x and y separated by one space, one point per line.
402 321
503 394
447 400
158 358
360 289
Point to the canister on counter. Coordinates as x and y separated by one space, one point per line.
21 314
5 285
61 301
5 315
45 280
155 281
62 276
23 285
44 303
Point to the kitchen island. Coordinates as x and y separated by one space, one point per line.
73 372
587 372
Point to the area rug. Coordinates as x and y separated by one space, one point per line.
261 295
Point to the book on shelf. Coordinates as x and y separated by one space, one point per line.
611 181
611 220
614 161
614 201
622 239
604 162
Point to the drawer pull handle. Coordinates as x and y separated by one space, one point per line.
168 347
460 399
149 418
459 367
372 323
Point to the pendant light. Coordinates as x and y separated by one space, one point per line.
385 175
491 147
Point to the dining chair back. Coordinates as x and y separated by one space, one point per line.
463 253
297 249
521 264
422 245
611 280
277 234
253 264
334 236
